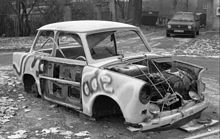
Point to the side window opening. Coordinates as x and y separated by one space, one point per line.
44 42
71 45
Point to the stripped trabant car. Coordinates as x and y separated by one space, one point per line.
103 68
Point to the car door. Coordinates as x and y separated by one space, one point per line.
61 73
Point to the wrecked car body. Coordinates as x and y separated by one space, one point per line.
103 68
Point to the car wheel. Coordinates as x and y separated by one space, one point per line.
197 33
168 35
32 89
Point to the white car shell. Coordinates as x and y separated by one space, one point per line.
96 81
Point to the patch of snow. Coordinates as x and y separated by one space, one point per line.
54 130
18 134
157 38
199 56
82 134
66 133
183 40
154 45
27 110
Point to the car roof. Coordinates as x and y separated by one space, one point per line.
83 26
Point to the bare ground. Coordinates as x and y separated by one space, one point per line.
37 118
40 118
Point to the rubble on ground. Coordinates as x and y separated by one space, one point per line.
8 106
18 134
201 46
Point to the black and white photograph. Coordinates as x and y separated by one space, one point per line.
109 69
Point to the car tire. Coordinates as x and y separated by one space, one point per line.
197 33
167 34
194 34
32 89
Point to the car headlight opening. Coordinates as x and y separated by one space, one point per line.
154 109
194 96
145 93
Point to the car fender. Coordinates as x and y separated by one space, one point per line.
26 63
123 89
18 61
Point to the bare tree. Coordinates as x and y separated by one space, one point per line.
4 10
121 5
182 5
52 11
175 2
135 11
48 11
187 5
19 7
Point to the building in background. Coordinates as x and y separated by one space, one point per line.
213 14
44 12
167 8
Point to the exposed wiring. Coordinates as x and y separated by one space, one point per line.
149 80
163 77
176 93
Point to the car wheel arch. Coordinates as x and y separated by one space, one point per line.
29 81
101 102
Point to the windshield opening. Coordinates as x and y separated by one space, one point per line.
115 43
183 17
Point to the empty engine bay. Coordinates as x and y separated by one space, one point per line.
167 83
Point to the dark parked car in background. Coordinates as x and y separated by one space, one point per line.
183 23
